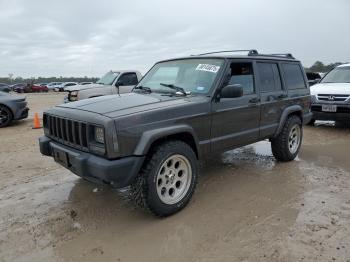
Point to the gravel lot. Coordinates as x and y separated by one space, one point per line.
247 207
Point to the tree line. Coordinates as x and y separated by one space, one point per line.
320 67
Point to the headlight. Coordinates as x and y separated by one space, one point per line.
73 96
99 135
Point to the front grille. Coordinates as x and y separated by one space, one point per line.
66 131
330 97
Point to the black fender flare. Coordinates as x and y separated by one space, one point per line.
286 112
150 136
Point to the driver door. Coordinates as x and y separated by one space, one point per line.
235 121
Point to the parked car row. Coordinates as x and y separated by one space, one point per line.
39 87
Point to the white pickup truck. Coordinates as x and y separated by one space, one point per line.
114 82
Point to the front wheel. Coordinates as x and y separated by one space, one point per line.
5 116
167 180
286 146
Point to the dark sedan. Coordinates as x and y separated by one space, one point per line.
12 107
5 87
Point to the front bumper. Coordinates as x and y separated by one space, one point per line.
21 111
342 114
118 173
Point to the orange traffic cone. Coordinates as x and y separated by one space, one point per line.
36 121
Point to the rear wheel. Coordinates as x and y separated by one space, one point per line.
5 116
168 179
285 147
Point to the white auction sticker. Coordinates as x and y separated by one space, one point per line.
208 68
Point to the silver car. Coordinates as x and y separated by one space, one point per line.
114 82
12 107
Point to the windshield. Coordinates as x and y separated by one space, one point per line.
192 75
338 75
108 78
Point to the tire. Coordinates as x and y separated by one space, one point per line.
6 116
286 146
163 186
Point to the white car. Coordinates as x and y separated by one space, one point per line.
114 82
52 85
62 87
331 96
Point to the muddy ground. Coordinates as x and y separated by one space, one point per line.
247 207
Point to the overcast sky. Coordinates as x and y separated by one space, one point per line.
78 37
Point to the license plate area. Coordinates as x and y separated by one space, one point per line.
329 108
61 157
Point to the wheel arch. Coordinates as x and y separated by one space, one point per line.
150 139
291 110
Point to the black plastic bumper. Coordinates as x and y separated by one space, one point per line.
331 116
119 173
342 114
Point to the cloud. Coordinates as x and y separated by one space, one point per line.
53 38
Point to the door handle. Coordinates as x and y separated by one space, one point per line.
254 100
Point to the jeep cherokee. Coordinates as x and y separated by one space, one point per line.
183 110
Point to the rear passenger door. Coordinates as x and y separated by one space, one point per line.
272 95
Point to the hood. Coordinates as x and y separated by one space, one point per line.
12 97
330 89
83 87
124 104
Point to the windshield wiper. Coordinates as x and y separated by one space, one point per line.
176 88
144 88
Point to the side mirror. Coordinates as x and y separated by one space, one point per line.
119 83
232 91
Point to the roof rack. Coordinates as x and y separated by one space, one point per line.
251 52
287 55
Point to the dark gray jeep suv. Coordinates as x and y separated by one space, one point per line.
181 111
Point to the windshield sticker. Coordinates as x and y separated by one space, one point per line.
208 68
200 88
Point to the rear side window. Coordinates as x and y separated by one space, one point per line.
269 77
293 76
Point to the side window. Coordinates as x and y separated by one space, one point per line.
242 73
128 79
269 77
293 76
